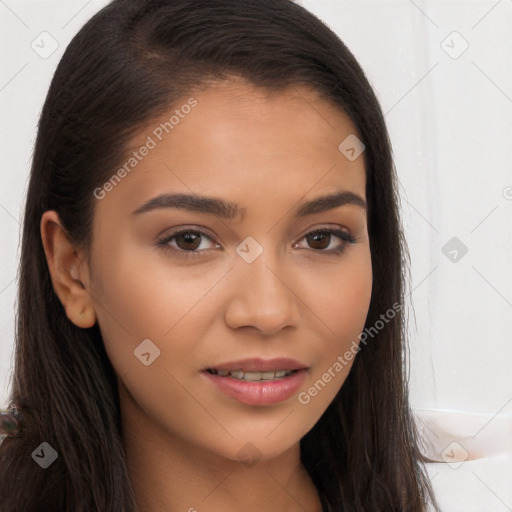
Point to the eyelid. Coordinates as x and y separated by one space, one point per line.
162 241
344 235
172 232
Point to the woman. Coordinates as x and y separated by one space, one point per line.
211 281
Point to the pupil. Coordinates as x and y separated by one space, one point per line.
188 238
316 240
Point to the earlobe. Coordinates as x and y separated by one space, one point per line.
67 271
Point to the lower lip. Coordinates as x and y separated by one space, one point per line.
259 393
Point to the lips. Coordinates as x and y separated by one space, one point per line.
252 376
259 365
258 382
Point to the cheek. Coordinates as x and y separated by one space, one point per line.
341 307
130 309
341 299
137 301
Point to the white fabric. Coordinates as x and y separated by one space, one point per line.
472 458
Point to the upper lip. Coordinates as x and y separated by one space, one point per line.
260 365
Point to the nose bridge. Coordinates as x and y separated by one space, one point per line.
262 298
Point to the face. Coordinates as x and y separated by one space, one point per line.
206 306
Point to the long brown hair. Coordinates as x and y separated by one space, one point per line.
126 66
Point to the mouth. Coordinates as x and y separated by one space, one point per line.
258 382
252 376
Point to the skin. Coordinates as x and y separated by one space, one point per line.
268 152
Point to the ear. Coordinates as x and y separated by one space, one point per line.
68 270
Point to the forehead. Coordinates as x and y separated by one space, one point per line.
238 138
294 120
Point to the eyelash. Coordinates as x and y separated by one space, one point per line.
163 243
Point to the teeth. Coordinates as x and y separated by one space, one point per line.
253 376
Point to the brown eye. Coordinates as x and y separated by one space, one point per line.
188 240
324 241
319 240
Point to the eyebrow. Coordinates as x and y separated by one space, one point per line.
230 210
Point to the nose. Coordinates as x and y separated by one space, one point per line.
263 297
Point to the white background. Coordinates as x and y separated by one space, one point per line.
449 113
